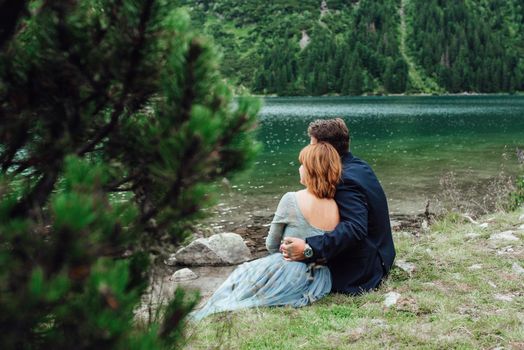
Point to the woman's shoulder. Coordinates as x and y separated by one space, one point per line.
288 200
288 196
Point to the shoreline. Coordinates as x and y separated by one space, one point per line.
253 229
419 94
252 224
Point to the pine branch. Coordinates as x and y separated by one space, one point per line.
101 34
38 196
187 159
23 165
6 159
188 97
10 13
187 100
135 58
115 185
103 132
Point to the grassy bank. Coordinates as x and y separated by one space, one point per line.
466 291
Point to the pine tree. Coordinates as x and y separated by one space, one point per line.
353 81
102 100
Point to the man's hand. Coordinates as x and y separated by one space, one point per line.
293 249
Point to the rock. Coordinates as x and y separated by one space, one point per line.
475 267
230 247
505 250
457 276
503 297
395 225
425 225
378 322
517 269
503 236
406 266
183 275
220 249
403 234
171 260
391 299
226 183
304 41
472 235
263 212
521 227
354 334
484 225
521 218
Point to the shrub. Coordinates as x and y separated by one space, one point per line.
113 121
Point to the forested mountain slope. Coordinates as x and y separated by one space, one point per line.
312 47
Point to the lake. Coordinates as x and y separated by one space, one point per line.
411 143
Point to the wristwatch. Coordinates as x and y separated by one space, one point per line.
308 251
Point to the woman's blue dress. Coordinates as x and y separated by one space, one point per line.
273 281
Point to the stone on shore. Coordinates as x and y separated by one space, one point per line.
171 260
220 249
406 266
472 235
395 225
475 267
391 299
517 269
504 297
183 275
503 236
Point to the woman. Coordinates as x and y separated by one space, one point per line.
273 281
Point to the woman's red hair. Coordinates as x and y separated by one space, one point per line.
322 168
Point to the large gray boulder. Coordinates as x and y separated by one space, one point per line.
221 249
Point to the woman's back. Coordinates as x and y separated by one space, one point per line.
320 213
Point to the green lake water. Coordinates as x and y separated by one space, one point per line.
411 142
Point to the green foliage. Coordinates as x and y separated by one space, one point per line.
57 289
517 197
349 49
102 100
469 46
355 46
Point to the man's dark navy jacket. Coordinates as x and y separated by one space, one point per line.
360 251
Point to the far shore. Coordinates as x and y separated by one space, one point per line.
421 94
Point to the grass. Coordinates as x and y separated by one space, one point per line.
463 294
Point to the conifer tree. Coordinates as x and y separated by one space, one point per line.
113 123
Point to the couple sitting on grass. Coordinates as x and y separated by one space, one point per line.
333 236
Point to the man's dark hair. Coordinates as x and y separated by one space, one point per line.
333 131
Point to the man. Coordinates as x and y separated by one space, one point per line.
360 251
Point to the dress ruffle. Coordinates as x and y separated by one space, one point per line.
269 281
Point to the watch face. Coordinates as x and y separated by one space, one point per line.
308 252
